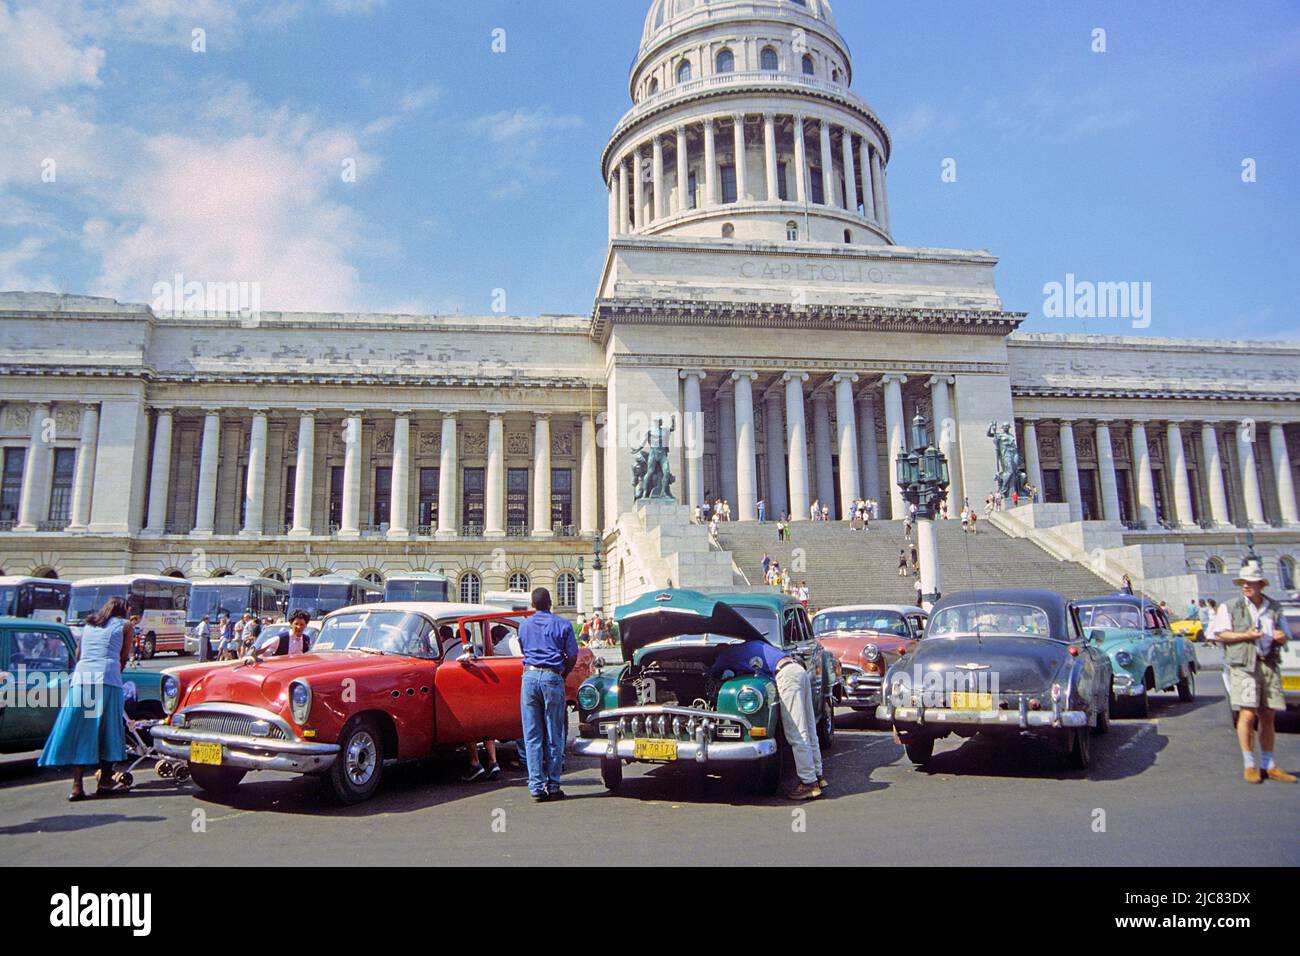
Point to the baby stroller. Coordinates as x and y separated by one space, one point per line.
140 721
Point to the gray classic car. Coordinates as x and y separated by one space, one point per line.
1013 662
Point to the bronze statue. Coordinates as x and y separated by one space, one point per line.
652 476
1010 476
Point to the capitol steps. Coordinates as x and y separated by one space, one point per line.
850 567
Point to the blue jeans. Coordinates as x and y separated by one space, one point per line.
762 513
541 704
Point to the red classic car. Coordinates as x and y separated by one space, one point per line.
393 681
866 639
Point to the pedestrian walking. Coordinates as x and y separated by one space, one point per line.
203 633
1251 630
1127 584
902 563
762 511
550 652
907 528
974 522
91 727
137 651
794 690
767 563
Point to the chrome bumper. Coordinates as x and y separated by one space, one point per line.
248 753
985 718
1129 690
862 690
701 752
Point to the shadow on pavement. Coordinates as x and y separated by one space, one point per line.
1127 751
71 822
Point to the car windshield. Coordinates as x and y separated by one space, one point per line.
8 605
415 591
89 599
988 619
318 599
390 632
886 622
1110 615
764 622
230 599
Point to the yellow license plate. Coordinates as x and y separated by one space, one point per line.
1291 683
655 750
202 752
970 700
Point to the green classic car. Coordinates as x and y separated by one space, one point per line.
663 705
36 662
1146 654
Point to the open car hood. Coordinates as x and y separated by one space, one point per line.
674 612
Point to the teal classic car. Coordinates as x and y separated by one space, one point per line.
36 662
663 705
1146 654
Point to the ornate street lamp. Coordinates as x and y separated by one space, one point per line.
597 592
922 475
581 580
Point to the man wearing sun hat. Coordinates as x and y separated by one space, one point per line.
1250 630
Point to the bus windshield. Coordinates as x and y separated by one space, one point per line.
8 601
415 590
90 598
230 599
319 599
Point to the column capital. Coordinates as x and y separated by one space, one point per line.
308 412
890 378
740 373
211 410
698 373
1067 422
934 380
542 416
400 412
354 412
795 374
260 409
850 377
167 409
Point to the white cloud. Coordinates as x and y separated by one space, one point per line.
38 55
514 141
13 274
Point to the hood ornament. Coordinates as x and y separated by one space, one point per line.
973 667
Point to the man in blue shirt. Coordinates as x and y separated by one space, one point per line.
794 688
550 652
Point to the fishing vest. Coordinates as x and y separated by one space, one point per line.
1244 654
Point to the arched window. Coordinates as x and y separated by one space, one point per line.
566 589
808 68
1286 573
275 574
471 588
848 236
768 60
684 71
374 577
728 231
835 75
321 572
174 573
221 573
518 581
46 572
792 231
726 61
654 86
1214 566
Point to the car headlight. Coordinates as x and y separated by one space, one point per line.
871 653
171 693
749 700
300 700
588 697
1123 658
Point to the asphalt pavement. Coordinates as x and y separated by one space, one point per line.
1166 791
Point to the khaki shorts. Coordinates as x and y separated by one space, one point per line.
1261 687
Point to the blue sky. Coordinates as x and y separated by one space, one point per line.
477 171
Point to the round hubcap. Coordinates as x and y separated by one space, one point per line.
360 761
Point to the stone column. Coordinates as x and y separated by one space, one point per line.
83 481
683 171
660 205
447 483
350 519
205 512
693 434
589 522
1250 475
796 431
542 477
878 187
1213 466
710 165
769 157
746 447
255 484
1033 466
399 523
847 426
613 206
34 500
868 195
1146 488
822 449
800 163
828 165
638 190
867 450
1106 467
742 190
623 224
850 178
303 485
883 205
1177 464
945 433
1282 474
730 490
494 485
1069 471
896 432
775 439
160 473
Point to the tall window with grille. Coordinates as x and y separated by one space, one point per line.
561 497
728 183
517 500
241 492
428 498
566 589
65 466
11 485
518 581
290 489
336 496
471 588
383 496
817 185
473 499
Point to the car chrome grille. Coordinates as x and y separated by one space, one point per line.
672 727
236 725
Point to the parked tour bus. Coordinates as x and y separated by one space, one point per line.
160 603
320 596
417 586
233 596
40 599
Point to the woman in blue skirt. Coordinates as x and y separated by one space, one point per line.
90 730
